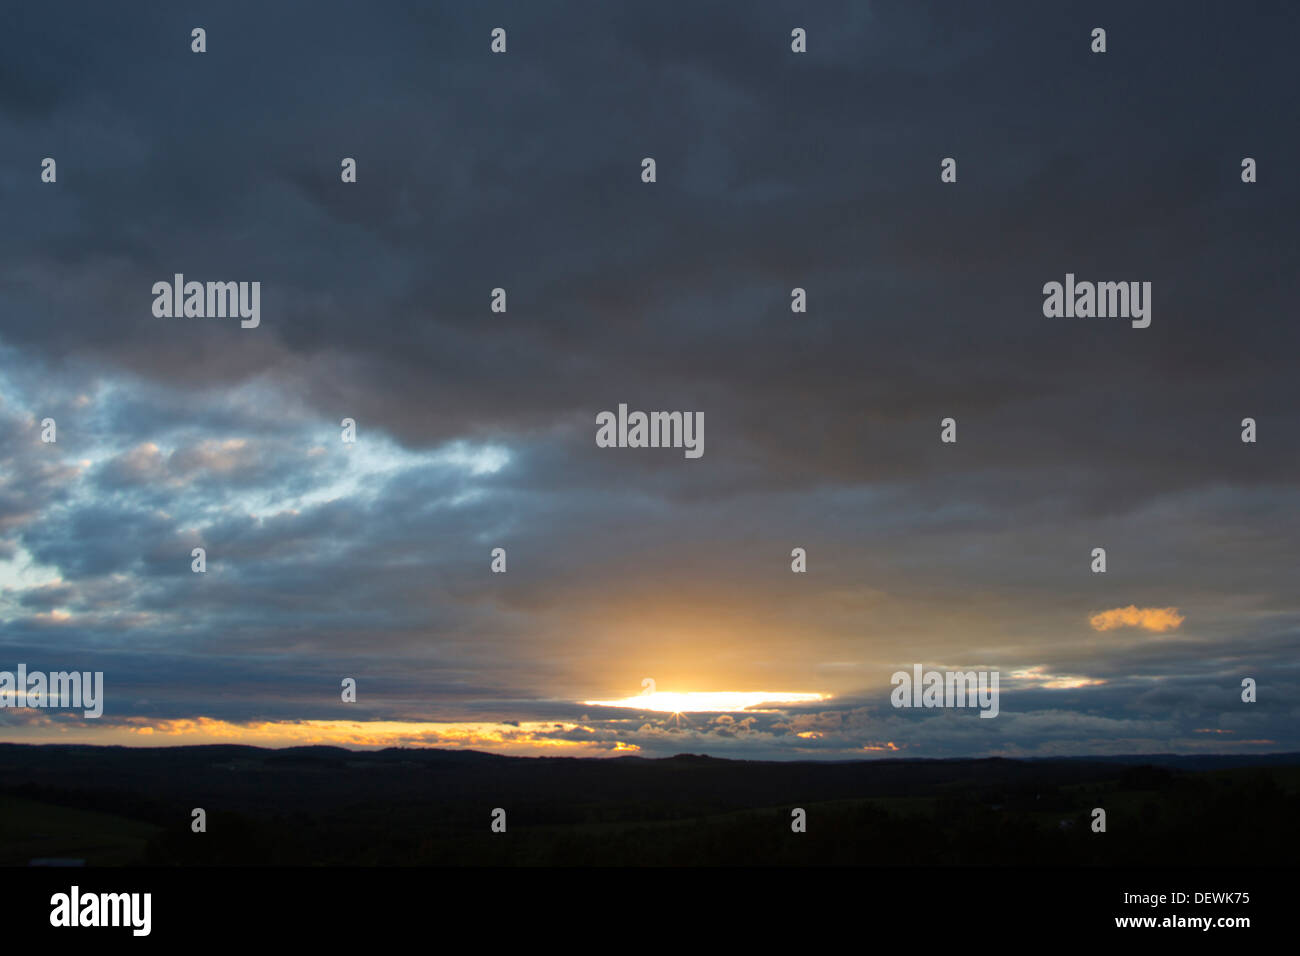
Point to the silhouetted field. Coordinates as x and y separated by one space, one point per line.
328 806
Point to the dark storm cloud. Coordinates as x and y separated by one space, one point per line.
522 171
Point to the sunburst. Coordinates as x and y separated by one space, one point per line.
709 702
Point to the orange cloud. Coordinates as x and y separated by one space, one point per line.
1157 619
524 738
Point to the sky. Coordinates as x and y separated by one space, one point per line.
476 429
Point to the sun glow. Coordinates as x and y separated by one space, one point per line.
707 702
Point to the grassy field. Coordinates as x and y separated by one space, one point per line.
29 830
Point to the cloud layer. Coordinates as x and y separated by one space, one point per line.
476 429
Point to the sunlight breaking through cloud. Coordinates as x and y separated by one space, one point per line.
708 702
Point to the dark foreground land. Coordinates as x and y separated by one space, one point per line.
328 806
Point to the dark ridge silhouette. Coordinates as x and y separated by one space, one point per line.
333 806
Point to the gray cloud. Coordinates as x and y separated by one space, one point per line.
476 428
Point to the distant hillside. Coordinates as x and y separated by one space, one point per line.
328 805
